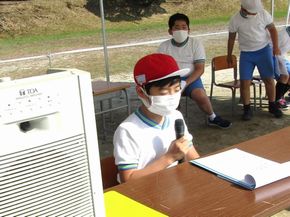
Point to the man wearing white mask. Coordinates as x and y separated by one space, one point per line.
146 141
189 53
253 25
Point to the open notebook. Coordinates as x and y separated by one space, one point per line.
243 168
118 205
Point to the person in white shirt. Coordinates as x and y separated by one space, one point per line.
189 53
146 141
282 69
253 25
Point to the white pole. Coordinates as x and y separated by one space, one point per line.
272 9
288 13
104 41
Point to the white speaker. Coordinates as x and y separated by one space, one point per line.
49 156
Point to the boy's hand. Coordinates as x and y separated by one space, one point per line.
178 149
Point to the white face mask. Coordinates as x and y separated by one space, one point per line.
162 105
180 35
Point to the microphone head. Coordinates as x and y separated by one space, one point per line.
179 128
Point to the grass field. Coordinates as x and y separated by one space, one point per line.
37 25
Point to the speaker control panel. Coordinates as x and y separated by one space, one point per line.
24 103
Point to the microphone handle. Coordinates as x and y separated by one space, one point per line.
182 159
179 132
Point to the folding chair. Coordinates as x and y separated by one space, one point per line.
109 172
257 80
220 63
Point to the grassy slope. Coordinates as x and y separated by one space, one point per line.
37 26
41 27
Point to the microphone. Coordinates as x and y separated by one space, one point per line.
179 128
179 132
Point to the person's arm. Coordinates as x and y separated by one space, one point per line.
156 166
274 37
231 43
198 71
177 150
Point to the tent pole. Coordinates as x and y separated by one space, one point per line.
288 13
104 41
272 8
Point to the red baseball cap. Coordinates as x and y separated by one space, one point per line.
155 67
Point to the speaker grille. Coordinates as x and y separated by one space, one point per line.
48 180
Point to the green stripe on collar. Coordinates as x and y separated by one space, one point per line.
174 43
151 122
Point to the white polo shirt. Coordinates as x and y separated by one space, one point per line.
252 32
138 140
185 56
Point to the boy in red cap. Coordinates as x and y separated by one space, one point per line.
146 141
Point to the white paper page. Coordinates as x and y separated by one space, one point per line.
271 174
267 175
236 164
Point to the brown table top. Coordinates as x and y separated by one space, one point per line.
187 190
103 87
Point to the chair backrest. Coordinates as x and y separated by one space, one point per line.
109 172
221 63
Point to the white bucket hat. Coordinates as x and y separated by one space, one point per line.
252 6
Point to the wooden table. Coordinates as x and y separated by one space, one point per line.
103 90
188 191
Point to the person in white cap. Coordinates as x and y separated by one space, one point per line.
253 25
283 67
146 141
189 53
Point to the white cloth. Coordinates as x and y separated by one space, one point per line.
252 32
137 141
185 56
